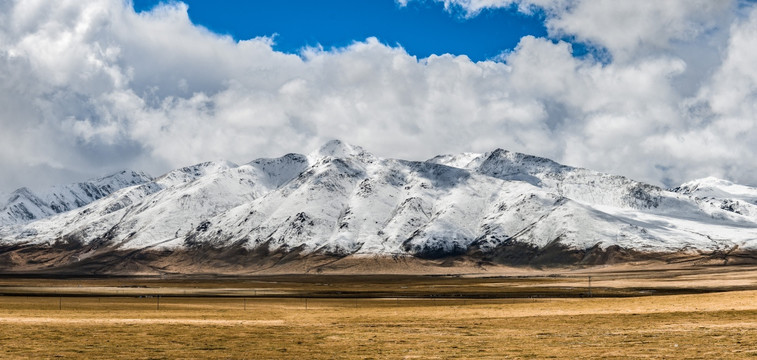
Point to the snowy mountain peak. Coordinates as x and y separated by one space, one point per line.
121 179
290 158
20 192
278 171
193 172
509 165
712 187
521 160
340 149
466 160
703 183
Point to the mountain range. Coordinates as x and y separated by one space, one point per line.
341 206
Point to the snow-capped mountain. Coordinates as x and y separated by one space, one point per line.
342 201
24 205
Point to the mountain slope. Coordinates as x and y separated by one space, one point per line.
341 201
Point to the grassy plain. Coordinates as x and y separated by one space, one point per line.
708 313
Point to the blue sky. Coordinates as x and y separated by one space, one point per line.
422 28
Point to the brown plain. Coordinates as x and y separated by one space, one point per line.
705 312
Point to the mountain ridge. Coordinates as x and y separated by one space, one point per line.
341 201
23 204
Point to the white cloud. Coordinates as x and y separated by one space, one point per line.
633 29
91 86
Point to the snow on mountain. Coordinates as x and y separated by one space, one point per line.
162 212
718 189
342 200
722 194
191 173
463 160
24 205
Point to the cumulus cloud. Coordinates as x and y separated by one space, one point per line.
89 86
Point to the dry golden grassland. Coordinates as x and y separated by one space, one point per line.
228 318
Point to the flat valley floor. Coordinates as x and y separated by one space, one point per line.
639 311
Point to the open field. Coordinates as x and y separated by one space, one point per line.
703 313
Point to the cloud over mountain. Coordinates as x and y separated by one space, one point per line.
91 86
